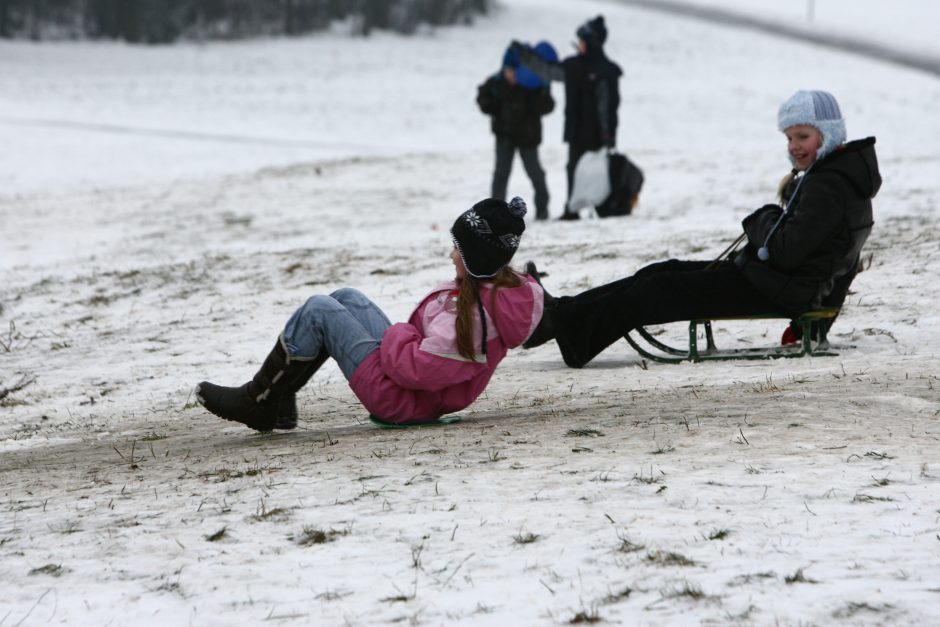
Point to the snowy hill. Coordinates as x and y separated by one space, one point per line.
165 209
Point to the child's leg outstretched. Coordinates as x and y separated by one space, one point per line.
345 325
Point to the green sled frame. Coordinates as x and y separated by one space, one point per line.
670 355
440 422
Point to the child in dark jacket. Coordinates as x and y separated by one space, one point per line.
796 259
592 95
436 363
515 99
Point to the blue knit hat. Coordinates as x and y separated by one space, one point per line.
818 109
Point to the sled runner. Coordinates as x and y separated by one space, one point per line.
670 355
443 420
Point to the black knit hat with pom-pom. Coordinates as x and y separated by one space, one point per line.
487 235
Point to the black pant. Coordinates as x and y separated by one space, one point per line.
505 151
669 291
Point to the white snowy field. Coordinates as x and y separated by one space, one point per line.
165 209
907 25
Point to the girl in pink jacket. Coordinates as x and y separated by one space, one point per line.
436 363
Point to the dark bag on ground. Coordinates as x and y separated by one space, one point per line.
626 180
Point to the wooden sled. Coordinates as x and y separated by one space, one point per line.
670 355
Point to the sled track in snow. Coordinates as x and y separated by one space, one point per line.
923 62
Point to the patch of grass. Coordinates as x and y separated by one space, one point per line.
278 514
218 535
586 617
222 475
398 598
314 535
584 433
66 527
153 437
170 586
687 590
668 558
53 570
798 577
867 498
741 580
718 534
851 609
616 597
525 537
648 480
627 546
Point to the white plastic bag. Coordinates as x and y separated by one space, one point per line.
591 181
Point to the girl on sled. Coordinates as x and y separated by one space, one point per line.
437 362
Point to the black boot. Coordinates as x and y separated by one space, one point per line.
545 329
287 404
533 272
257 403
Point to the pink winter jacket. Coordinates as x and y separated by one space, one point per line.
417 375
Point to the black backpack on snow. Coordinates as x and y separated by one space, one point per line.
626 180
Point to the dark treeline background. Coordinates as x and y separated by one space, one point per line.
164 21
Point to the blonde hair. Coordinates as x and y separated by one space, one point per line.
468 300
785 186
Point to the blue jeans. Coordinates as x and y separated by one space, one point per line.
346 324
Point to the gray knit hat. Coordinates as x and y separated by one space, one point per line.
818 109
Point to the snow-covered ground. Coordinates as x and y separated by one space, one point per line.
164 209
903 26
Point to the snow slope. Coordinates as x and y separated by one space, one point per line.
165 209
903 26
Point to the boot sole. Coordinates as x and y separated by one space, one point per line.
247 421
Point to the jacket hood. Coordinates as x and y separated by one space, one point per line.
857 162
517 312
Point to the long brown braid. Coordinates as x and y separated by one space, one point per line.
468 300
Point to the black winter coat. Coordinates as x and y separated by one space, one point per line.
516 112
592 94
819 241
592 97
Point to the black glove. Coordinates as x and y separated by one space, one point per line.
769 211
